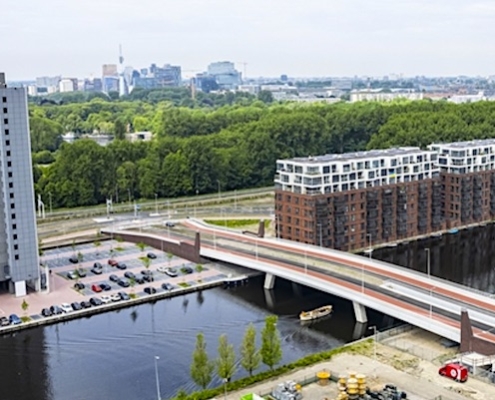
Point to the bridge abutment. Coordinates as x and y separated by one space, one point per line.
269 281
360 312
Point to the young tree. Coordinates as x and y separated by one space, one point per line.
141 246
146 262
271 350
226 359
250 355
202 367
97 244
24 306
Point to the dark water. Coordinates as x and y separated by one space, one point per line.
111 356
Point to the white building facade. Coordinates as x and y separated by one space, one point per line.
341 172
19 258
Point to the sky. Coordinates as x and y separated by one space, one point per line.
300 38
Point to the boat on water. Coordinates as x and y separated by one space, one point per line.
232 281
453 231
315 314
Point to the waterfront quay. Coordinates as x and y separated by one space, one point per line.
61 289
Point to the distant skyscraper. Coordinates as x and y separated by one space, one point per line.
19 261
225 74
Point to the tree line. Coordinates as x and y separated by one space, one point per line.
199 150
250 357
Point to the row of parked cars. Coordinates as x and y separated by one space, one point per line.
65 308
13 319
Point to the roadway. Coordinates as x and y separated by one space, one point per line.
371 281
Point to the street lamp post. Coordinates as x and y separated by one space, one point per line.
371 248
156 203
428 262
375 337
158 395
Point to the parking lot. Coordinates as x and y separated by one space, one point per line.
149 271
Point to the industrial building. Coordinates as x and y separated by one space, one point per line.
19 259
354 200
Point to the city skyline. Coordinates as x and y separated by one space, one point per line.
412 38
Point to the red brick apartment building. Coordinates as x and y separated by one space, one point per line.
354 200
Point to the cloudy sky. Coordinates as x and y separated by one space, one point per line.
295 37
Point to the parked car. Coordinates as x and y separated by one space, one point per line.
187 270
149 290
139 279
96 288
454 371
146 272
172 272
14 319
95 301
97 265
112 262
130 275
79 286
66 307
4 321
113 278
76 306
56 310
105 286
85 304
162 269
97 271
115 297
148 278
124 296
121 266
151 255
81 272
105 299
72 275
169 224
73 259
167 286
46 312
123 282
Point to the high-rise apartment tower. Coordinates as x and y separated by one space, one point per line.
19 259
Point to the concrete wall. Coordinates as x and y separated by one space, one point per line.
187 250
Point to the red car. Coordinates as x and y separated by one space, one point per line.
96 288
112 262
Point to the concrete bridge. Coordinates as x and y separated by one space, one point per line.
450 310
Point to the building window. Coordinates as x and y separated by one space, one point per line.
4 99
13 216
8 153
16 247
9 163
7 142
11 185
12 206
10 174
5 121
7 131
11 195
5 111
16 256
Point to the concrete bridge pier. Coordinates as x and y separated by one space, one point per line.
359 330
269 299
269 281
360 312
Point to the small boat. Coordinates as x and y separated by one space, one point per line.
314 314
235 281
454 231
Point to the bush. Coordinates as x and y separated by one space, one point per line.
235 223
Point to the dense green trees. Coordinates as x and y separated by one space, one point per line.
195 149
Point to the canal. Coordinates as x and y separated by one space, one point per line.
111 355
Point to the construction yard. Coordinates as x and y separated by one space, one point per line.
414 371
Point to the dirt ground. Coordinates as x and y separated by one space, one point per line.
411 373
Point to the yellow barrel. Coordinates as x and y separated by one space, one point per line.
361 378
352 375
323 377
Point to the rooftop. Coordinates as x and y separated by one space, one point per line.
396 151
466 144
